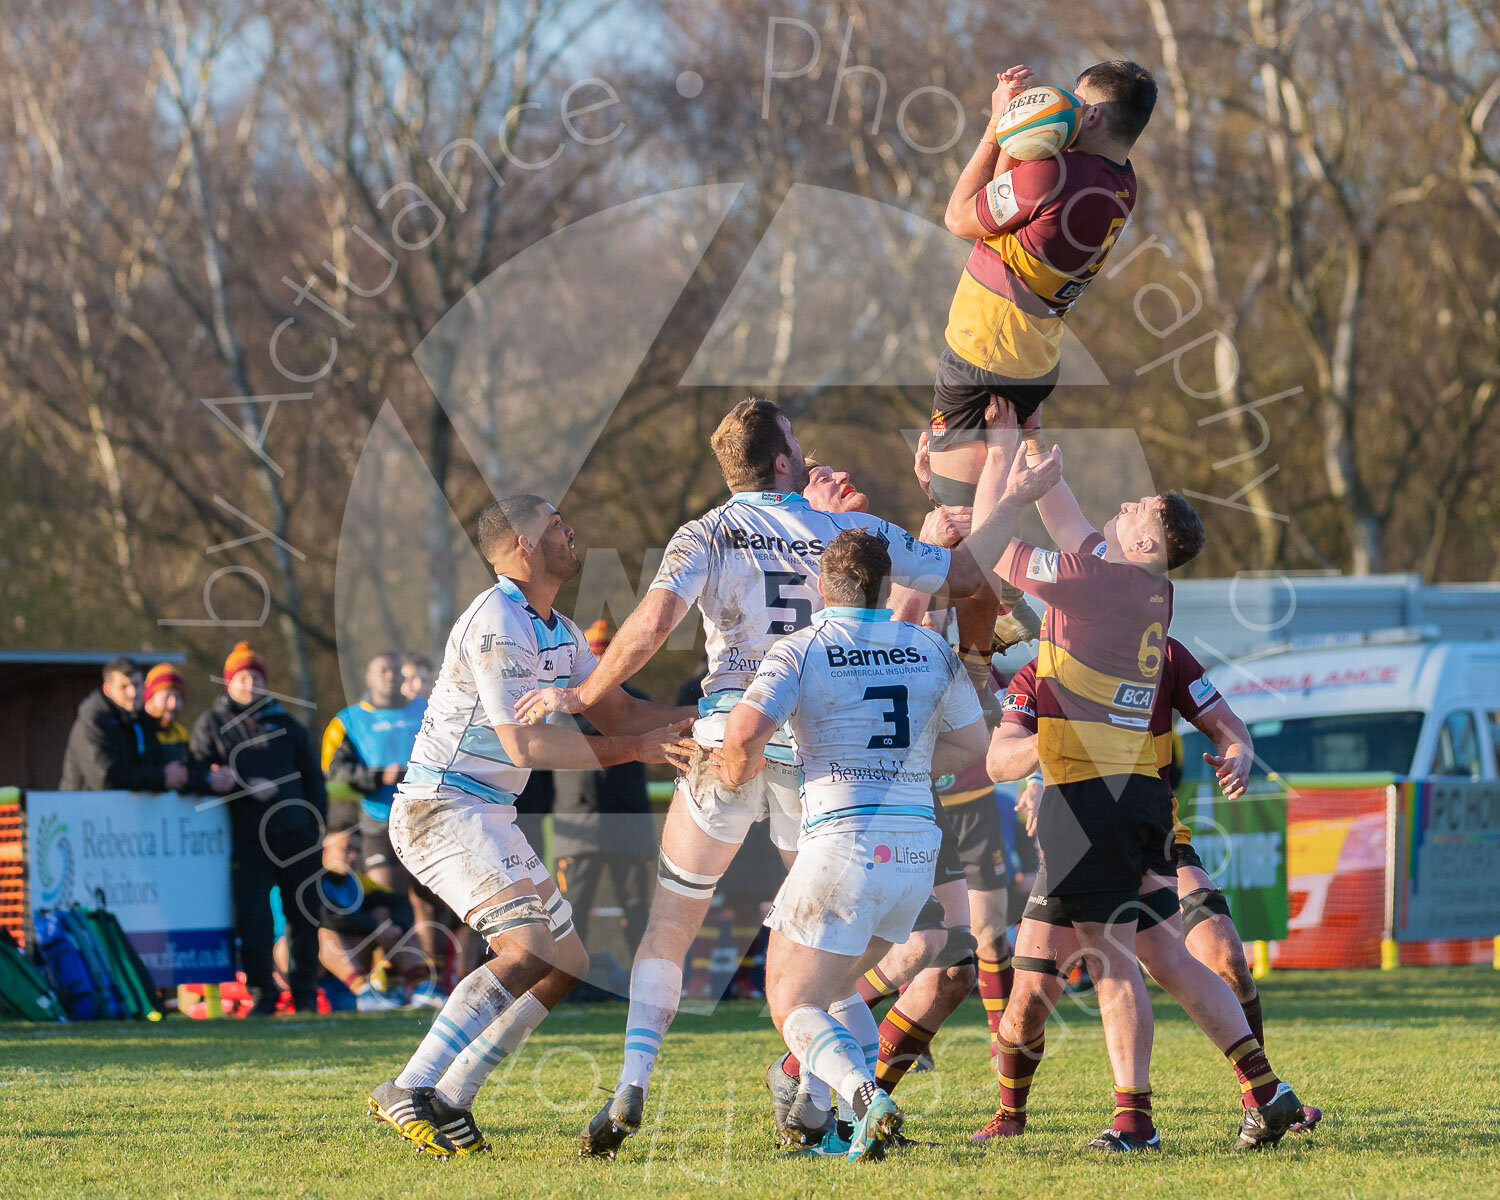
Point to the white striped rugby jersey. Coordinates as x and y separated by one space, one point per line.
498 651
866 698
752 567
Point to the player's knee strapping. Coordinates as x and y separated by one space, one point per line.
559 916
953 492
960 950
1199 906
684 883
1038 966
1155 908
511 915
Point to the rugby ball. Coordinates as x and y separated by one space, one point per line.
1039 123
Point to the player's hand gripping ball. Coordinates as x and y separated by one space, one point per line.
1040 122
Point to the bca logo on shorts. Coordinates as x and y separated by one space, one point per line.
1042 566
939 422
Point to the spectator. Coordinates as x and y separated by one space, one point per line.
276 817
417 674
109 747
165 692
602 825
365 747
360 941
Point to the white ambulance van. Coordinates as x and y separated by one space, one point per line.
1398 702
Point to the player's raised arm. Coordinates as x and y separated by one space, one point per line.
1236 751
987 161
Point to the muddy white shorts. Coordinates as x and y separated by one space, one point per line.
846 888
463 850
726 813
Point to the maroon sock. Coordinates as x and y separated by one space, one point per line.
1017 1066
791 1066
1258 1082
873 987
1133 1111
902 1042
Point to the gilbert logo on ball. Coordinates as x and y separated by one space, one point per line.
1039 123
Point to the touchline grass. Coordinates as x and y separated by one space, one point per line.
1406 1066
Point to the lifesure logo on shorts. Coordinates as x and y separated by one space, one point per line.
901 856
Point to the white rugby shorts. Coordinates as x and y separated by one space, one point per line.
726 813
463 850
846 888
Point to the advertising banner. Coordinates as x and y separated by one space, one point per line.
160 863
1447 859
1243 846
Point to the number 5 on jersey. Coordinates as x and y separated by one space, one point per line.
801 608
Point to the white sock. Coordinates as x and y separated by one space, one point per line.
475 1003
830 1051
814 1089
655 989
463 1079
855 1016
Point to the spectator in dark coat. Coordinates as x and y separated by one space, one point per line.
109 747
277 813
165 694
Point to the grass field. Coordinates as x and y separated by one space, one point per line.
1406 1065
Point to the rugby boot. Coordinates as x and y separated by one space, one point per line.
1310 1117
409 1112
1004 1124
1115 1141
459 1127
1266 1124
874 1131
619 1119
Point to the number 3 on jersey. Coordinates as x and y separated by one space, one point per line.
800 607
896 716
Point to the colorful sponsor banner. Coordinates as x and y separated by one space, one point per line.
1447 859
160 863
1243 847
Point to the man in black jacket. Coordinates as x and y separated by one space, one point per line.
109 748
276 817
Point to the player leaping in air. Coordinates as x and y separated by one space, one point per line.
1041 232
751 565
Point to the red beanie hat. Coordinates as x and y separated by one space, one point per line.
163 676
243 658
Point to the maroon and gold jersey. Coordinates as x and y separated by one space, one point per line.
1099 661
1184 687
1051 225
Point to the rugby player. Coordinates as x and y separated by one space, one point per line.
1041 232
1207 927
1105 824
875 706
452 819
751 565
940 937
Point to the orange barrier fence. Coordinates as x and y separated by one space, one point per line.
1336 885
